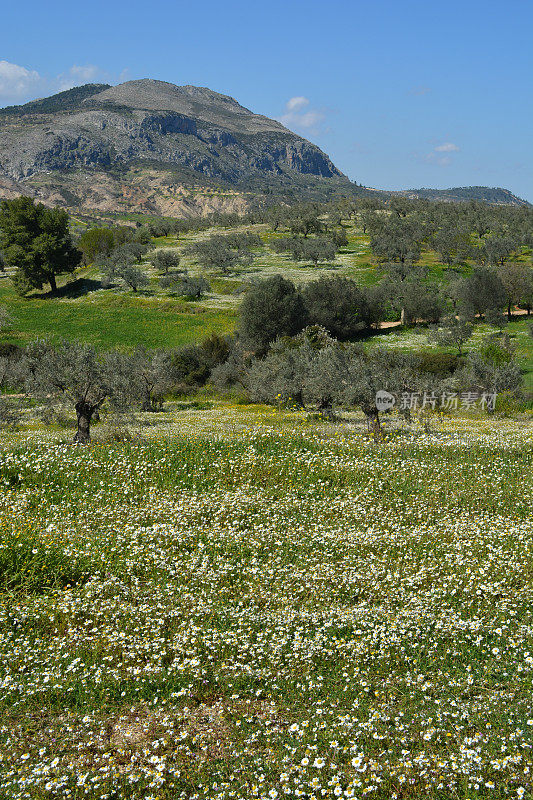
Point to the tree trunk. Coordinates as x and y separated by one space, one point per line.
84 413
402 317
52 282
298 398
147 404
374 424
509 315
325 408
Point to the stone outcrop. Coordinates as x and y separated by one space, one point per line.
154 123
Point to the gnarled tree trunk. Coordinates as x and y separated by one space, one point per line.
84 414
325 408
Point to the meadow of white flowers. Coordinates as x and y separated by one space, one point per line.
268 610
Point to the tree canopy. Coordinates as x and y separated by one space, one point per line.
36 241
82 376
271 308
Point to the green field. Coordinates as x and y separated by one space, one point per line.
417 339
118 317
112 320
271 606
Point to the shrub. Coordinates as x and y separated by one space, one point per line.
338 305
508 404
440 364
271 308
192 365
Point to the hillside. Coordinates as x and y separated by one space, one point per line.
458 194
152 147
143 144
156 317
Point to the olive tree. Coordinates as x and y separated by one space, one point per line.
151 374
304 219
132 276
455 331
418 300
481 291
380 370
482 373
185 285
516 280
398 241
332 374
499 249
452 243
339 305
81 376
315 250
271 308
129 274
166 261
224 253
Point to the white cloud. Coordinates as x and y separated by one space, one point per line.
296 103
442 154
295 117
16 81
447 147
19 84
442 161
309 120
78 75
436 158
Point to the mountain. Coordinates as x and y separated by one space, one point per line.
90 139
153 147
494 196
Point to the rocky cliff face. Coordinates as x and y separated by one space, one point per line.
156 123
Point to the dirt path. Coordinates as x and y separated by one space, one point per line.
517 312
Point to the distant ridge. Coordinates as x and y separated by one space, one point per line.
493 196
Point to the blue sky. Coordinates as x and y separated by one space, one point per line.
399 94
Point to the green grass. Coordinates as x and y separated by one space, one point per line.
114 320
288 604
522 340
119 317
416 339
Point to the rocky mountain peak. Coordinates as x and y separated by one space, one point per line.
190 133
197 102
